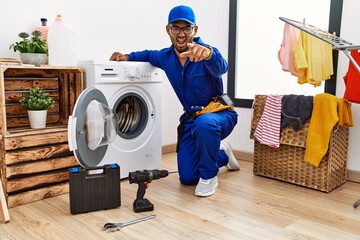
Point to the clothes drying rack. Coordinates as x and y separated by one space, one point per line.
331 38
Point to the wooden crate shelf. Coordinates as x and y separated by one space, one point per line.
34 163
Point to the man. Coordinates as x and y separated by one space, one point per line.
194 70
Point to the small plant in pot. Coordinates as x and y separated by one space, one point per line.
37 102
33 49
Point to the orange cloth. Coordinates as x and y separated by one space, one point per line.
344 111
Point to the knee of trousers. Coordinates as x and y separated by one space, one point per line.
188 179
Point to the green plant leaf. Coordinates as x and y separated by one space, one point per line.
36 99
33 45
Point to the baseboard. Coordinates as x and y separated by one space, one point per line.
246 156
168 148
353 176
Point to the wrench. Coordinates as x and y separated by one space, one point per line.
112 227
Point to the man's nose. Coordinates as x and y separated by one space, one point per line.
181 33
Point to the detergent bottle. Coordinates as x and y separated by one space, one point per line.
43 28
61 44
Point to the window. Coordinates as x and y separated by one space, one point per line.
255 35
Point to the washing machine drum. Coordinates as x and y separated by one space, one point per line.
91 128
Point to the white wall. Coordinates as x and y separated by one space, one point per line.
108 25
102 27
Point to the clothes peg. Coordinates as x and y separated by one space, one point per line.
304 21
334 36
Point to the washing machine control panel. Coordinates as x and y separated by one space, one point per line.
134 74
127 72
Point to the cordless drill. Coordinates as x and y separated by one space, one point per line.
143 179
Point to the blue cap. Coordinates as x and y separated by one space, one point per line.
182 12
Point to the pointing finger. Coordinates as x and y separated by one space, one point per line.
190 45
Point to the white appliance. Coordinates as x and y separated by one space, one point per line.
132 136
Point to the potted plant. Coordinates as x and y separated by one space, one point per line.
37 102
33 49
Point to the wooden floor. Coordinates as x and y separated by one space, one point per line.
244 207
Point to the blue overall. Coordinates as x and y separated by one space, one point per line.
195 84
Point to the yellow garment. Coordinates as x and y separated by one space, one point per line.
313 59
323 119
345 115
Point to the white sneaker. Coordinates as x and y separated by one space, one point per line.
206 187
233 163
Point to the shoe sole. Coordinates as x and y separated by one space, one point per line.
231 157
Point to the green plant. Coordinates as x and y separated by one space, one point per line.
36 99
33 44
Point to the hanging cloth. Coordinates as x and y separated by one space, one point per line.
313 60
352 80
286 52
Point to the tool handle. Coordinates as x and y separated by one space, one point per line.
138 220
141 190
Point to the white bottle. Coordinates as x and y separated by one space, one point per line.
61 44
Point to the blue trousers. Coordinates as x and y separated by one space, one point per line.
199 154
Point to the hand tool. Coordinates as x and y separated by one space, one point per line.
112 227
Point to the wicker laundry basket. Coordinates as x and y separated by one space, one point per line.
287 162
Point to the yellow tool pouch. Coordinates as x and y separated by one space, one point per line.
213 106
217 104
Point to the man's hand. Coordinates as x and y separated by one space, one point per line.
197 52
116 56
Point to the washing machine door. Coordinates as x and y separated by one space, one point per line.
91 128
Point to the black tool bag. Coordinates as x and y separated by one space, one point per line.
94 189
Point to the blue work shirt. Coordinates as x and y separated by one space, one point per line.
195 83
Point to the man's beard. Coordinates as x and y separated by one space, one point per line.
184 48
181 50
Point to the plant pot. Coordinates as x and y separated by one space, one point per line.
37 118
36 59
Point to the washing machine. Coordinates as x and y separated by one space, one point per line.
117 118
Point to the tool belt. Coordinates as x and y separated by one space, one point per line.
217 104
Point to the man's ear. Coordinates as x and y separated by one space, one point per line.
168 29
195 29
